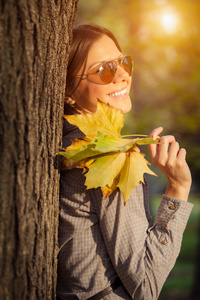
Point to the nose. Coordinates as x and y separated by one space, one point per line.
121 75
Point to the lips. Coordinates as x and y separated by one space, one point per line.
118 94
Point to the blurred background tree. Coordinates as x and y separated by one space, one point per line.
162 38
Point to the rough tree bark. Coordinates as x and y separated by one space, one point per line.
35 36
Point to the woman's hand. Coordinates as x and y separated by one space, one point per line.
170 159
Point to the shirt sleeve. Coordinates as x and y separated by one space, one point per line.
142 255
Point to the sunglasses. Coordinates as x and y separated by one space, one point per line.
106 72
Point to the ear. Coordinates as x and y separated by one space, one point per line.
71 102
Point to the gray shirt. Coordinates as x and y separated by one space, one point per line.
102 239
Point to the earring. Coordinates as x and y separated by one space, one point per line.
70 101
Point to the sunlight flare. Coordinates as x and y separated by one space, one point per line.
169 22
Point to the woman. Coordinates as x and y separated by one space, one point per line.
108 250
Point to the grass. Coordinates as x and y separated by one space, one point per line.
180 281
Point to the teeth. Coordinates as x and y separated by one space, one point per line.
116 94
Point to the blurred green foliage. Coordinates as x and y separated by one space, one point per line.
166 78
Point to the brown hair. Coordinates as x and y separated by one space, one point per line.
84 36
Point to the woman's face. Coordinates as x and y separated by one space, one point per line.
116 93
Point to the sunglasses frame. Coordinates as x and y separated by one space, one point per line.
94 72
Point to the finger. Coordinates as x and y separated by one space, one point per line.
156 132
173 152
163 147
161 150
153 147
153 150
182 154
165 141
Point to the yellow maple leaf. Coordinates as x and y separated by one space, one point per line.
104 169
111 160
133 172
106 120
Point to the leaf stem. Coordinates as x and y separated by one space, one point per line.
129 135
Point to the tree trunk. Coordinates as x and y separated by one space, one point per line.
35 36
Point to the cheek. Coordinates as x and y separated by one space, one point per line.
93 93
86 98
87 94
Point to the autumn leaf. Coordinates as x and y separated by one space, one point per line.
146 141
104 169
132 173
105 143
112 161
106 120
70 164
79 154
127 167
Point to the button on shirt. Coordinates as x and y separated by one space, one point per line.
102 239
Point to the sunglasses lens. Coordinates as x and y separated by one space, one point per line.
108 71
127 64
105 73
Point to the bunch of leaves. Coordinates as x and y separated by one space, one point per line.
109 159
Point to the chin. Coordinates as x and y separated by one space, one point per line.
125 111
126 107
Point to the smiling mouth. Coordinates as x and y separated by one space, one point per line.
119 94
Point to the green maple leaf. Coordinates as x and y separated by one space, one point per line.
84 152
105 143
112 161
